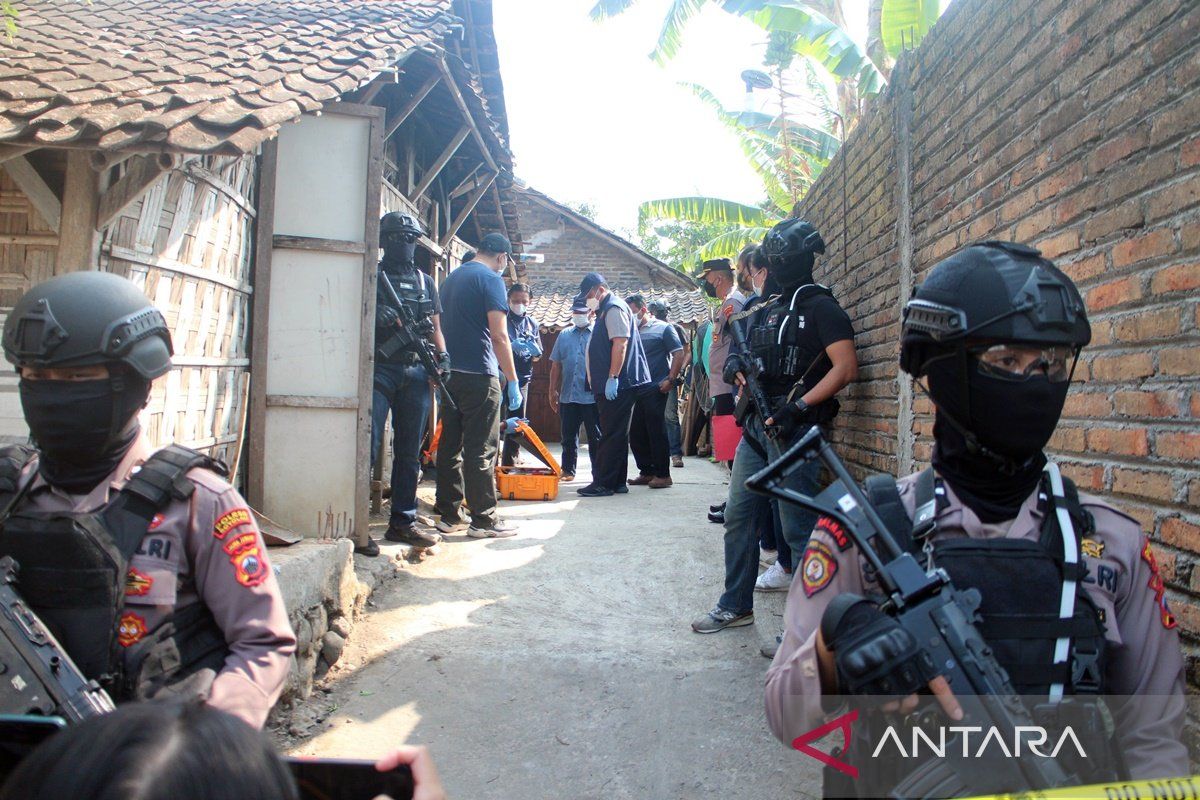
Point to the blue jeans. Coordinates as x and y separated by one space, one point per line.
674 432
572 416
405 392
742 513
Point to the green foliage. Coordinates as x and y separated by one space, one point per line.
904 23
704 210
584 209
679 242
9 11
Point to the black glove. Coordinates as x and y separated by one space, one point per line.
790 418
874 655
733 365
444 365
386 316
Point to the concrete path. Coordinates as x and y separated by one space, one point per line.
561 664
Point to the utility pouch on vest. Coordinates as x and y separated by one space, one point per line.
187 643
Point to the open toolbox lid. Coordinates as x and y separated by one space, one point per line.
528 439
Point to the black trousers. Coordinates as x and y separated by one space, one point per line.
648 434
611 466
508 455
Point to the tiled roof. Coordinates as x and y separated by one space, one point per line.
551 303
195 75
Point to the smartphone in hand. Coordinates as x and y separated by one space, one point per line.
348 779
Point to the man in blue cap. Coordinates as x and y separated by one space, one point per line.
617 372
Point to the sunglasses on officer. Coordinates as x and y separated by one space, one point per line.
1017 362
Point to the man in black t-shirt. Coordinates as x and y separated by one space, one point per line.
805 344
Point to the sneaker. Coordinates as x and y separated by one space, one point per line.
497 530
677 462
622 489
719 619
407 534
566 476
370 549
717 508
661 483
450 527
773 580
767 557
592 490
771 648
718 517
640 480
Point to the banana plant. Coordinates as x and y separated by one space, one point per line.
904 23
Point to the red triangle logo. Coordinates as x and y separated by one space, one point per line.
843 723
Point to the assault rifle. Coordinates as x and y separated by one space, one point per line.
754 392
937 614
408 335
39 677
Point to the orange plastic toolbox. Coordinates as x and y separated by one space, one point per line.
529 483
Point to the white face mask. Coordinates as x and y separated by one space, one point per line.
579 320
519 309
593 303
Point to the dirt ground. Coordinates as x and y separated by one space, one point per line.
560 663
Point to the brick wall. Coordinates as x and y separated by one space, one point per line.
1073 126
573 250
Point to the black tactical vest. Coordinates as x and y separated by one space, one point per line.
73 566
410 289
780 339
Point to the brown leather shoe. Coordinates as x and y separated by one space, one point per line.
566 476
641 480
661 483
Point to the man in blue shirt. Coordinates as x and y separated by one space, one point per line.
617 374
526 337
569 393
475 326
648 433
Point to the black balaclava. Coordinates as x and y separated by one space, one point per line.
83 428
989 433
399 254
792 271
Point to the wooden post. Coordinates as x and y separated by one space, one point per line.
34 187
264 236
78 240
466 210
441 162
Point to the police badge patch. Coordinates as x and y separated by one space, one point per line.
130 630
819 567
137 583
246 558
234 518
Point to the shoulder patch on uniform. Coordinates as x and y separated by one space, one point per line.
130 629
819 567
1156 585
246 557
137 583
836 531
155 522
231 519
1093 548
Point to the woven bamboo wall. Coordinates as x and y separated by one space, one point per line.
188 242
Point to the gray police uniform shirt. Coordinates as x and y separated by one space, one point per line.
1144 657
722 343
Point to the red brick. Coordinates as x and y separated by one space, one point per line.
1117 441
1180 533
1193 496
1145 326
1087 404
1101 333
1189 155
1066 178
1116 149
1125 216
1114 293
1178 446
1140 248
1085 268
1189 236
1033 225
1088 477
1179 278
1068 439
1055 246
1184 361
1122 368
1143 483
1147 404
1169 200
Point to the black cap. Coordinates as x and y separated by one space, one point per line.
591 281
719 264
496 243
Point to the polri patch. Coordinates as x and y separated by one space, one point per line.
1160 591
130 630
819 567
234 518
248 565
1093 548
836 531
137 583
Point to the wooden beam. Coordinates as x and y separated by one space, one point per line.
466 210
106 159
409 107
30 239
41 197
317 245
8 151
500 210
456 93
78 242
264 233
467 185
441 161
141 173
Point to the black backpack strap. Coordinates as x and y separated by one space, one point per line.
909 533
161 479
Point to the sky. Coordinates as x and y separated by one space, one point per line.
594 120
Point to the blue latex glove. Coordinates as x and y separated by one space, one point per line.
610 389
513 393
521 348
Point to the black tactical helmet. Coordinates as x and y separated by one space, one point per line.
792 237
85 318
397 222
991 291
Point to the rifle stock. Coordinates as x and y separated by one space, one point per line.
408 336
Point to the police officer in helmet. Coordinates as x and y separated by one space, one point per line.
804 343
401 384
148 566
995 331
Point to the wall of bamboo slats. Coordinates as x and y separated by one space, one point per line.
188 242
